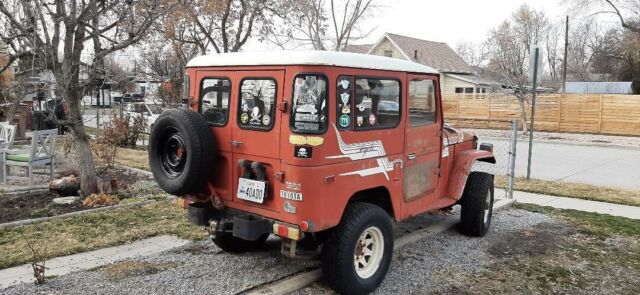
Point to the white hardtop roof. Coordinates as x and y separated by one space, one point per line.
315 58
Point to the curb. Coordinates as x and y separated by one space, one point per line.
20 223
567 142
138 171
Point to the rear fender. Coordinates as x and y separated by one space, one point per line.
462 167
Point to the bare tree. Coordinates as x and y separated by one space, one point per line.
221 25
509 46
57 31
626 11
321 24
474 54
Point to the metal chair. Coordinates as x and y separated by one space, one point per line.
7 135
40 154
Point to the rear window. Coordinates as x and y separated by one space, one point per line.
309 111
214 100
257 104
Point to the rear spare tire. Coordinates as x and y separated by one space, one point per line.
181 152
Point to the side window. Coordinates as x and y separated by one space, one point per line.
257 104
377 103
214 100
310 109
422 102
344 101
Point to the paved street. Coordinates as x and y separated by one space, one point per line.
598 165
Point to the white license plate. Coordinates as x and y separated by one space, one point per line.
251 190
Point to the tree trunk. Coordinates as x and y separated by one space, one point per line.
84 156
523 114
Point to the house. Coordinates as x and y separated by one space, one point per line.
456 75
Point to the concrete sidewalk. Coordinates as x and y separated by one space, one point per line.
88 260
631 212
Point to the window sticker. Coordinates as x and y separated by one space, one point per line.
257 105
344 95
309 113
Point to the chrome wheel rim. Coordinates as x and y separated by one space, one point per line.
368 252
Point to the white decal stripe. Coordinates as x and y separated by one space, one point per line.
361 151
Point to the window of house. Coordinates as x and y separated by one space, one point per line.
422 102
344 101
310 110
377 103
257 104
214 100
468 90
388 53
459 90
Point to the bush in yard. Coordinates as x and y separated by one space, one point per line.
122 131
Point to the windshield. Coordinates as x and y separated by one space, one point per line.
309 112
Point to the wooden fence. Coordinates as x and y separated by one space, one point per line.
577 113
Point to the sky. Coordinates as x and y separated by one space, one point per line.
452 21
449 21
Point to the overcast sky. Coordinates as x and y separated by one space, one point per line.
452 21
449 21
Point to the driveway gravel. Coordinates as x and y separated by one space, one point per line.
202 268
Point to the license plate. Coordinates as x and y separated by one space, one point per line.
251 190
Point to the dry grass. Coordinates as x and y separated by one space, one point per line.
96 230
133 158
129 268
574 190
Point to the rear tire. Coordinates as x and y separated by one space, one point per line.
477 204
357 253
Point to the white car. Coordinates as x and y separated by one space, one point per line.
149 111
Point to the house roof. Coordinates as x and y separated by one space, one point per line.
323 58
361 48
437 55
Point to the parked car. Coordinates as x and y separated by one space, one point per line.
149 111
323 149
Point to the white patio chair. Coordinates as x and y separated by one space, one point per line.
40 154
7 135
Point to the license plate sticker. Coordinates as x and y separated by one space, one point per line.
251 190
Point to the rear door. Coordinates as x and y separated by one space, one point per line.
423 141
255 136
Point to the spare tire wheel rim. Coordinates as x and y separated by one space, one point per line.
487 207
368 252
173 154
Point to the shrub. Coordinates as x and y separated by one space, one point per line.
122 131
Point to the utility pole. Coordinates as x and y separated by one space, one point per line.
566 53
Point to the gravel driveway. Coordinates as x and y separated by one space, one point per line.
201 268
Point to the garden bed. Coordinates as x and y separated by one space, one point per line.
131 187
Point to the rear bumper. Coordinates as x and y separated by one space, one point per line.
240 224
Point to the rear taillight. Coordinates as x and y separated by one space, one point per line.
286 231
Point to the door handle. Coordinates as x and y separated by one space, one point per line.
236 143
411 156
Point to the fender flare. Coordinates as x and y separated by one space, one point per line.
462 167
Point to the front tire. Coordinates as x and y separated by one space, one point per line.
477 204
356 255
